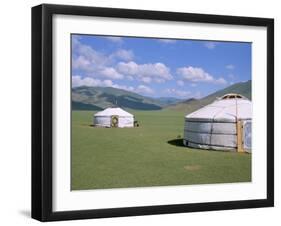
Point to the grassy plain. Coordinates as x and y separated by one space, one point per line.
149 155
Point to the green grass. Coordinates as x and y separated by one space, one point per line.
150 155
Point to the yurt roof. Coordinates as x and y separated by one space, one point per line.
114 111
226 108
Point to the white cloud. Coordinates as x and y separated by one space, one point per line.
77 80
111 73
130 68
210 45
81 63
144 89
92 62
195 74
193 84
123 54
128 88
86 58
157 72
220 81
230 66
180 83
146 79
178 93
114 39
87 81
96 64
107 83
167 41
159 80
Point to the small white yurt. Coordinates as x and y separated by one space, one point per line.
113 117
224 124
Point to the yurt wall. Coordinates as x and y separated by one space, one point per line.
126 122
103 121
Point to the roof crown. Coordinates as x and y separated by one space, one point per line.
232 96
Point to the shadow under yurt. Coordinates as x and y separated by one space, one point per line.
224 125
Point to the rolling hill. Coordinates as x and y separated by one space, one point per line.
243 88
98 98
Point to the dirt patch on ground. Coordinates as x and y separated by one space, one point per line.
192 167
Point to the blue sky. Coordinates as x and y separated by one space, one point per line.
159 67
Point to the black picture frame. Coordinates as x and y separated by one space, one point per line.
42 111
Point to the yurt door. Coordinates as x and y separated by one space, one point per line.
114 121
239 126
244 136
247 135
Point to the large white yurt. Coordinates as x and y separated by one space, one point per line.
224 124
113 117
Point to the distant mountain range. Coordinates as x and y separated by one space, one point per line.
98 98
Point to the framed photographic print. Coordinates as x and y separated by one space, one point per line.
145 112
